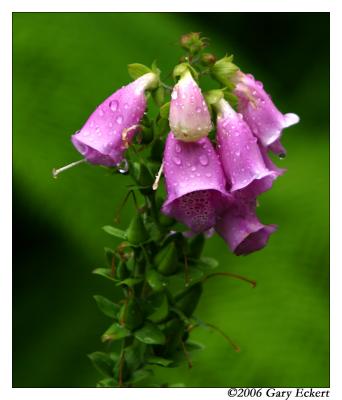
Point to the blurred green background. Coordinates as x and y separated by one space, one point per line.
66 64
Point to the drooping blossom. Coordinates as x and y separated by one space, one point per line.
241 229
247 168
189 115
259 111
104 137
195 183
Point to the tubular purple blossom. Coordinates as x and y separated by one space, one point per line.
258 110
195 183
189 115
243 162
104 137
241 229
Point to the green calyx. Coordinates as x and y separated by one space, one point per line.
181 70
166 261
223 70
136 232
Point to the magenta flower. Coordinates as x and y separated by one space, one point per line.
258 110
195 183
104 137
189 115
247 169
241 229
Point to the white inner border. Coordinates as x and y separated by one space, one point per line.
6 9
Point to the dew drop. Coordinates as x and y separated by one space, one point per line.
198 110
237 153
85 133
193 168
203 159
110 124
208 174
101 112
126 106
174 95
91 124
123 166
119 119
177 160
113 105
178 148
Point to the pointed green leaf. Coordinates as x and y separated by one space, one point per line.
105 272
160 311
115 232
102 362
207 263
192 346
130 282
156 281
150 334
107 383
159 361
140 375
115 332
106 306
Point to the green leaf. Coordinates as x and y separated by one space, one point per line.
136 232
106 306
183 281
140 375
130 282
102 362
159 361
160 310
136 70
107 383
207 263
192 346
156 281
150 334
115 232
115 332
165 110
105 272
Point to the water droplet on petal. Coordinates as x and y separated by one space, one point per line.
177 160
119 119
113 105
203 159
110 124
126 106
178 148
101 113
198 110
174 95
208 174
